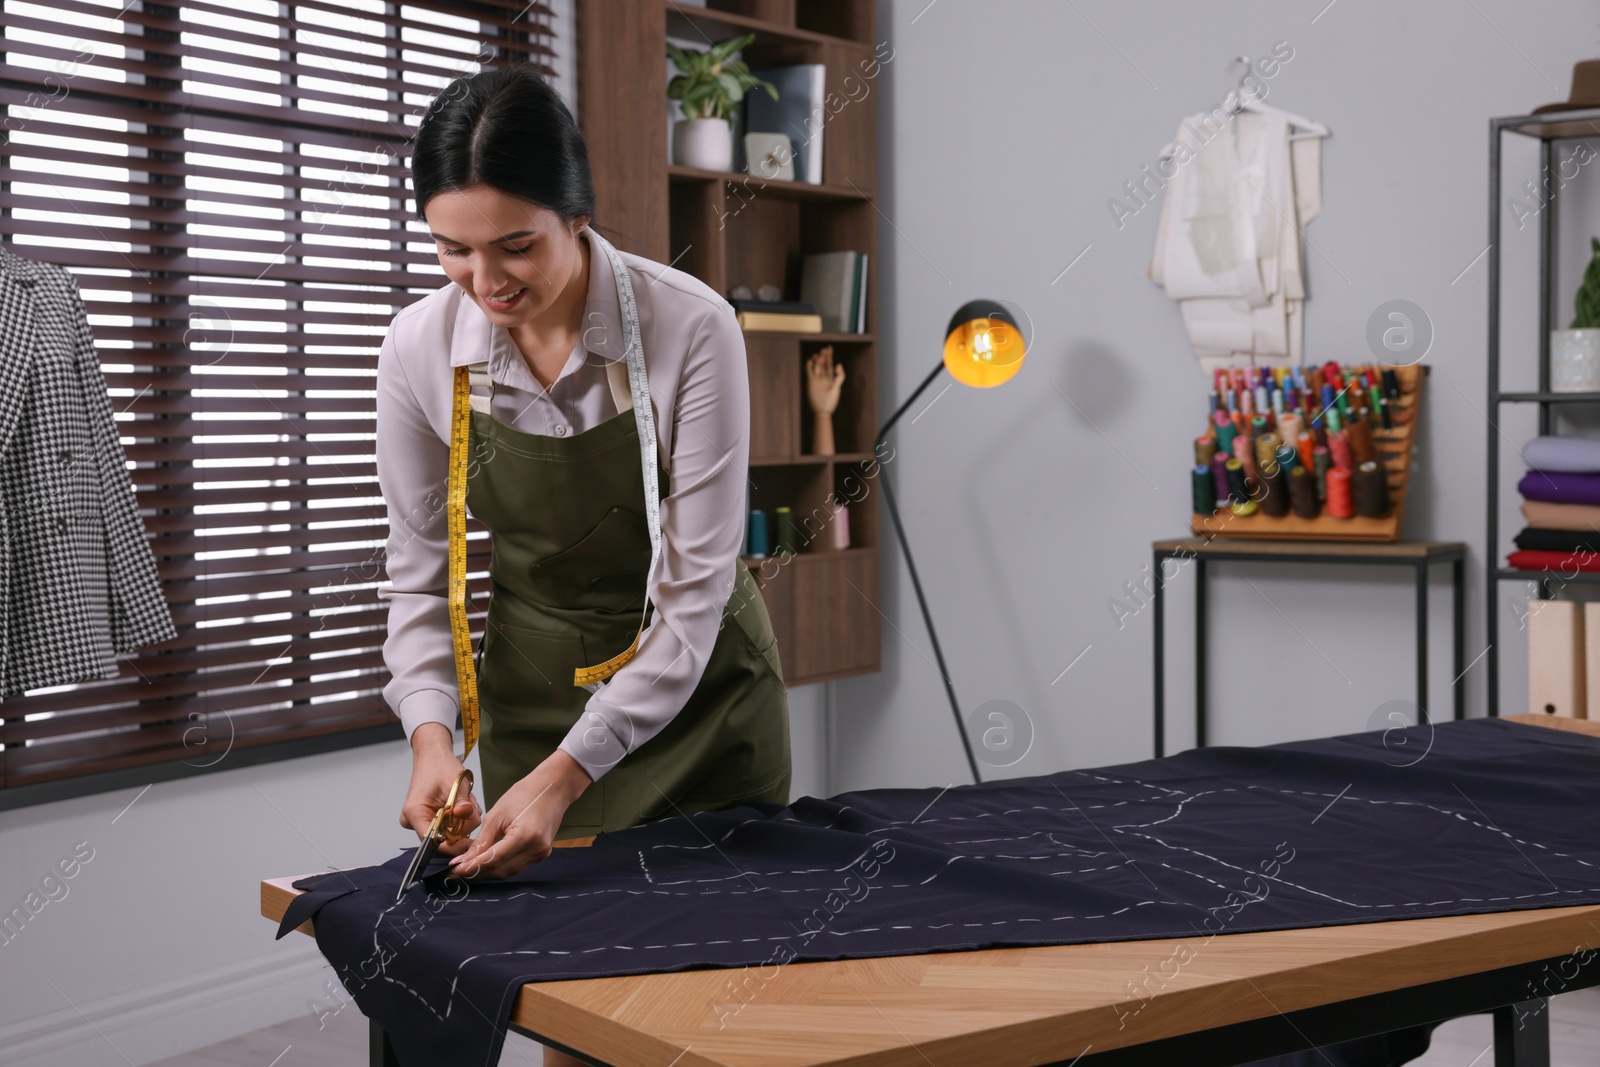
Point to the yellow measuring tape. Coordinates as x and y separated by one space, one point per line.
456 514
460 633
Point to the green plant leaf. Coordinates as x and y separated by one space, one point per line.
725 48
1587 302
731 87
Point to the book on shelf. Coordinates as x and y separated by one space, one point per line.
779 322
798 112
836 284
779 307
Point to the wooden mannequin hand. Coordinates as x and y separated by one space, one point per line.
521 827
824 382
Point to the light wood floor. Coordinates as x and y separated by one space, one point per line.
342 1042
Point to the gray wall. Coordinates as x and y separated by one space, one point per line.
1031 506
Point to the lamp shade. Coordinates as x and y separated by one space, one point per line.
983 346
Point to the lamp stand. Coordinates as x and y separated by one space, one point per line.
916 583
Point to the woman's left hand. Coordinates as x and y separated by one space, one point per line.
521 827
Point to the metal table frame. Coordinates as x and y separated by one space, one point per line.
1200 551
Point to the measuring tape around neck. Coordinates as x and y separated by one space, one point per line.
590 678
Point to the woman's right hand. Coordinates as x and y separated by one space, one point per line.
434 768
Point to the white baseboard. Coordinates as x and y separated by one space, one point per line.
158 1021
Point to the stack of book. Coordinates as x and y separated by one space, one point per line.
835 283
777 316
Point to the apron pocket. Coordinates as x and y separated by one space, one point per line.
602 571
529 704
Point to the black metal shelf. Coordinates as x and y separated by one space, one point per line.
1548 398
1548 129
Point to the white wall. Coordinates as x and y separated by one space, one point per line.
1005 128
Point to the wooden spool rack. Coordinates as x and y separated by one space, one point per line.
1394 448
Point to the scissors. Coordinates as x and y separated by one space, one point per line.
445 827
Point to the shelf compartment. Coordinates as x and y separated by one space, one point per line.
733 19
855 420
743 187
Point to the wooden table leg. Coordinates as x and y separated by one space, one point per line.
380 1050
1522 1034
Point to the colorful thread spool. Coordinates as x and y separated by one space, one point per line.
786 536
1339 447
1274 495
1340 505
1370 487
1321 463
1361 446
1239 501
1205 490
1304 443
1242 453
756 542
1205 446
1303 492
1266 449
1290 423
1219 474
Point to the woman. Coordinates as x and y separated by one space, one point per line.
698 718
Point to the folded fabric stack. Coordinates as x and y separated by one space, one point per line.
1561 503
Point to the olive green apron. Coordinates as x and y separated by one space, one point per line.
570 551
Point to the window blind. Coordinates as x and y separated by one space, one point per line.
226 179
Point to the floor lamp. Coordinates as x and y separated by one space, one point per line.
983 347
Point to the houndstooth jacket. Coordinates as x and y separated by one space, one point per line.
78 581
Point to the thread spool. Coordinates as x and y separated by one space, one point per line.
1290 423
841 528
1361 446
1334 419
1304 443
1370 488
757 543
1225 436
1339 447
1258 425
1266 449
1205 490
1242 453
785 538
1340 505
1303 492
1319 434
1205 446
1274 495
1288 459
1219 475
1239 501
1321 463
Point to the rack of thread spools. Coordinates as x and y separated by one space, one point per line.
1310 452
779 533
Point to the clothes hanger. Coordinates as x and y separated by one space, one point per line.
1305 128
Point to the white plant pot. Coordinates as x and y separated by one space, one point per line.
1575 361
705 143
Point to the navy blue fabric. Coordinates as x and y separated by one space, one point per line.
1460 817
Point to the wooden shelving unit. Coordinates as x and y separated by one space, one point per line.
728 229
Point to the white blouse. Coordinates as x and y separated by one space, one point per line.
699 386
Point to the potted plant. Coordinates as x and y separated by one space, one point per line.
1575 351
709 87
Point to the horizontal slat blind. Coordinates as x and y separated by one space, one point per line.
227 181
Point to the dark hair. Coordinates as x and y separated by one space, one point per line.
506 128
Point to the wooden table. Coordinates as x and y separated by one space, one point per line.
1229 1000
1418 555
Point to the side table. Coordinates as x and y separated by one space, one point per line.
1419 555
